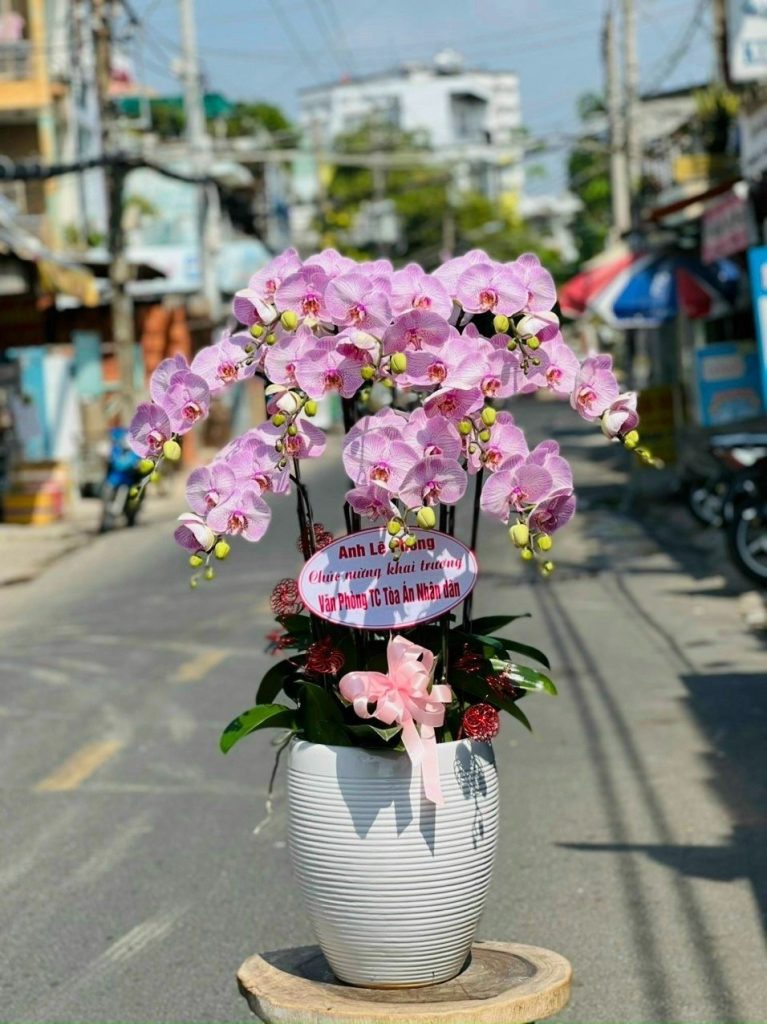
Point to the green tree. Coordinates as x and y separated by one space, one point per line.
588 171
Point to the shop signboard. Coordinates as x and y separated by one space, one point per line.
747 35
726 229
757 272
729 388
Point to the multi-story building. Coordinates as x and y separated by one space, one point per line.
470 118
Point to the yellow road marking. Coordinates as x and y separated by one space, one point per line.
82 764
193 670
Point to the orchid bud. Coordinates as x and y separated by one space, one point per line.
426 518
388 382
547 568
145 466
511 345
544 542
533 343
221 550
368 372
154 477
465 427
631 440
270 339
278 419
398 362
210 573
256 330
310 407
410 541
535 361
394 526
195 561
488 415
172 450
500 323
526 554
292 430
193 582
394 544
484 435
289 320
519 534
133 492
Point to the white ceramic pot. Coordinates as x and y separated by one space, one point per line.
394 886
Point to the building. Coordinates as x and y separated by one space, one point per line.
470 118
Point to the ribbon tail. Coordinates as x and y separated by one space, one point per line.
430 767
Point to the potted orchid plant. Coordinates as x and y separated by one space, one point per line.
390 690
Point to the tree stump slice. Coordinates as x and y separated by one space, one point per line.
502 983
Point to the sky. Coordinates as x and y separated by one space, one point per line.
269 49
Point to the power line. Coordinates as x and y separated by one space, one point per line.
339 27
287 26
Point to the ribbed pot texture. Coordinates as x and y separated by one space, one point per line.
393 885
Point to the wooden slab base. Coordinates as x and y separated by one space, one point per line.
503 983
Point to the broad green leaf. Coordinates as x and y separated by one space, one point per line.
386 734
297 625
526 649
524 677
262 716
322 720
479 688
274 680
520 716
489 623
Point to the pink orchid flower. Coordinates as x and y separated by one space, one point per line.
413 288
453 403
332 262
491 288
448 365
209 486
304 293
405 696
354 300
432 436
281 359
546 454
149 429
510 372
562 368
222 364
433 481
507 441
243 514
415 330
541 290
249 308
268 279
256 463
552 514
159 382
543 325
518 487
308 443
194 534
595 387
378 457
371 501
450 271
186 400
328 368
621 416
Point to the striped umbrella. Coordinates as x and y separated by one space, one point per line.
647 289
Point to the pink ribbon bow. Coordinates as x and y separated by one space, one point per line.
403 696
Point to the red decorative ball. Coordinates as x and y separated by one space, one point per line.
322 537
325 658
285 599
481 722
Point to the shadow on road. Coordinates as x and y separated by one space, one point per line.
731 709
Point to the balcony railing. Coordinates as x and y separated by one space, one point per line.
15 61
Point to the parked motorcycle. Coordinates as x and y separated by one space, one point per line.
716 472
746 522
121 476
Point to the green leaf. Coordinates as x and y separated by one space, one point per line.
299 626
321 717
490 623
526 649
520 716
273 681
524 677
262 716
386 734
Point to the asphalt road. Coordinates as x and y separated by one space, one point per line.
132 884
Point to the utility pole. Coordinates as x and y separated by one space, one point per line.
619 182
631 107
721 43
123 334
199 146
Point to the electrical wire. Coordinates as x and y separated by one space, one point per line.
287 26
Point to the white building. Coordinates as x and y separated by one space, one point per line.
470 118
